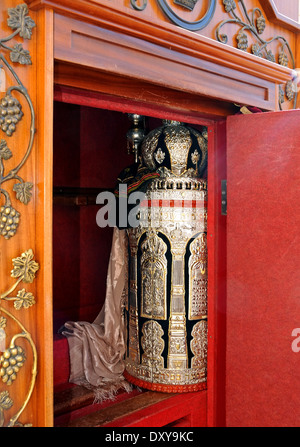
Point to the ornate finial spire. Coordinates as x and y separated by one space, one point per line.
135 134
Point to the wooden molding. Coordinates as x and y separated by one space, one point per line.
199 66
279 19
165 35
43 212
96 90
119 42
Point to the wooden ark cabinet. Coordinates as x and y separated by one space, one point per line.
80 67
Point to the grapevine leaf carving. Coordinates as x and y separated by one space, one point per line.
5 152
14 356
19 20
23 191
10 115
5 404
255 24
25 267
24 299
18 54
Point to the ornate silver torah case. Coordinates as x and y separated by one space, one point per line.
167 299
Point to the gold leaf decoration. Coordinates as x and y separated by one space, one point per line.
24 299
11 361
14 357
10 115
25 267
5 404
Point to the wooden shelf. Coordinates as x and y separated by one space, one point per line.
76 196
74 407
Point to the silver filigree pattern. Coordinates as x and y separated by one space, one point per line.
154 277
178 142
153 345
198 278
199 345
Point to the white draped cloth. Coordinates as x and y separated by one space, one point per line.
97 349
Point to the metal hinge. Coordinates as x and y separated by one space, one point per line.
224 197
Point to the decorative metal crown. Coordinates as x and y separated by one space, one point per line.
188 4
177 147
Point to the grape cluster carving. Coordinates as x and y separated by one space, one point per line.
11 361
10 114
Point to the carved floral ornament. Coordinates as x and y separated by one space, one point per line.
10 115
13 356
254 23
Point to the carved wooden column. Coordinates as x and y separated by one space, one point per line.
23 355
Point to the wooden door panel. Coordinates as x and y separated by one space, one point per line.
263 306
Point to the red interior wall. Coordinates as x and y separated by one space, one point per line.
89 152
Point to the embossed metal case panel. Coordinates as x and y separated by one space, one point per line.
167 300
